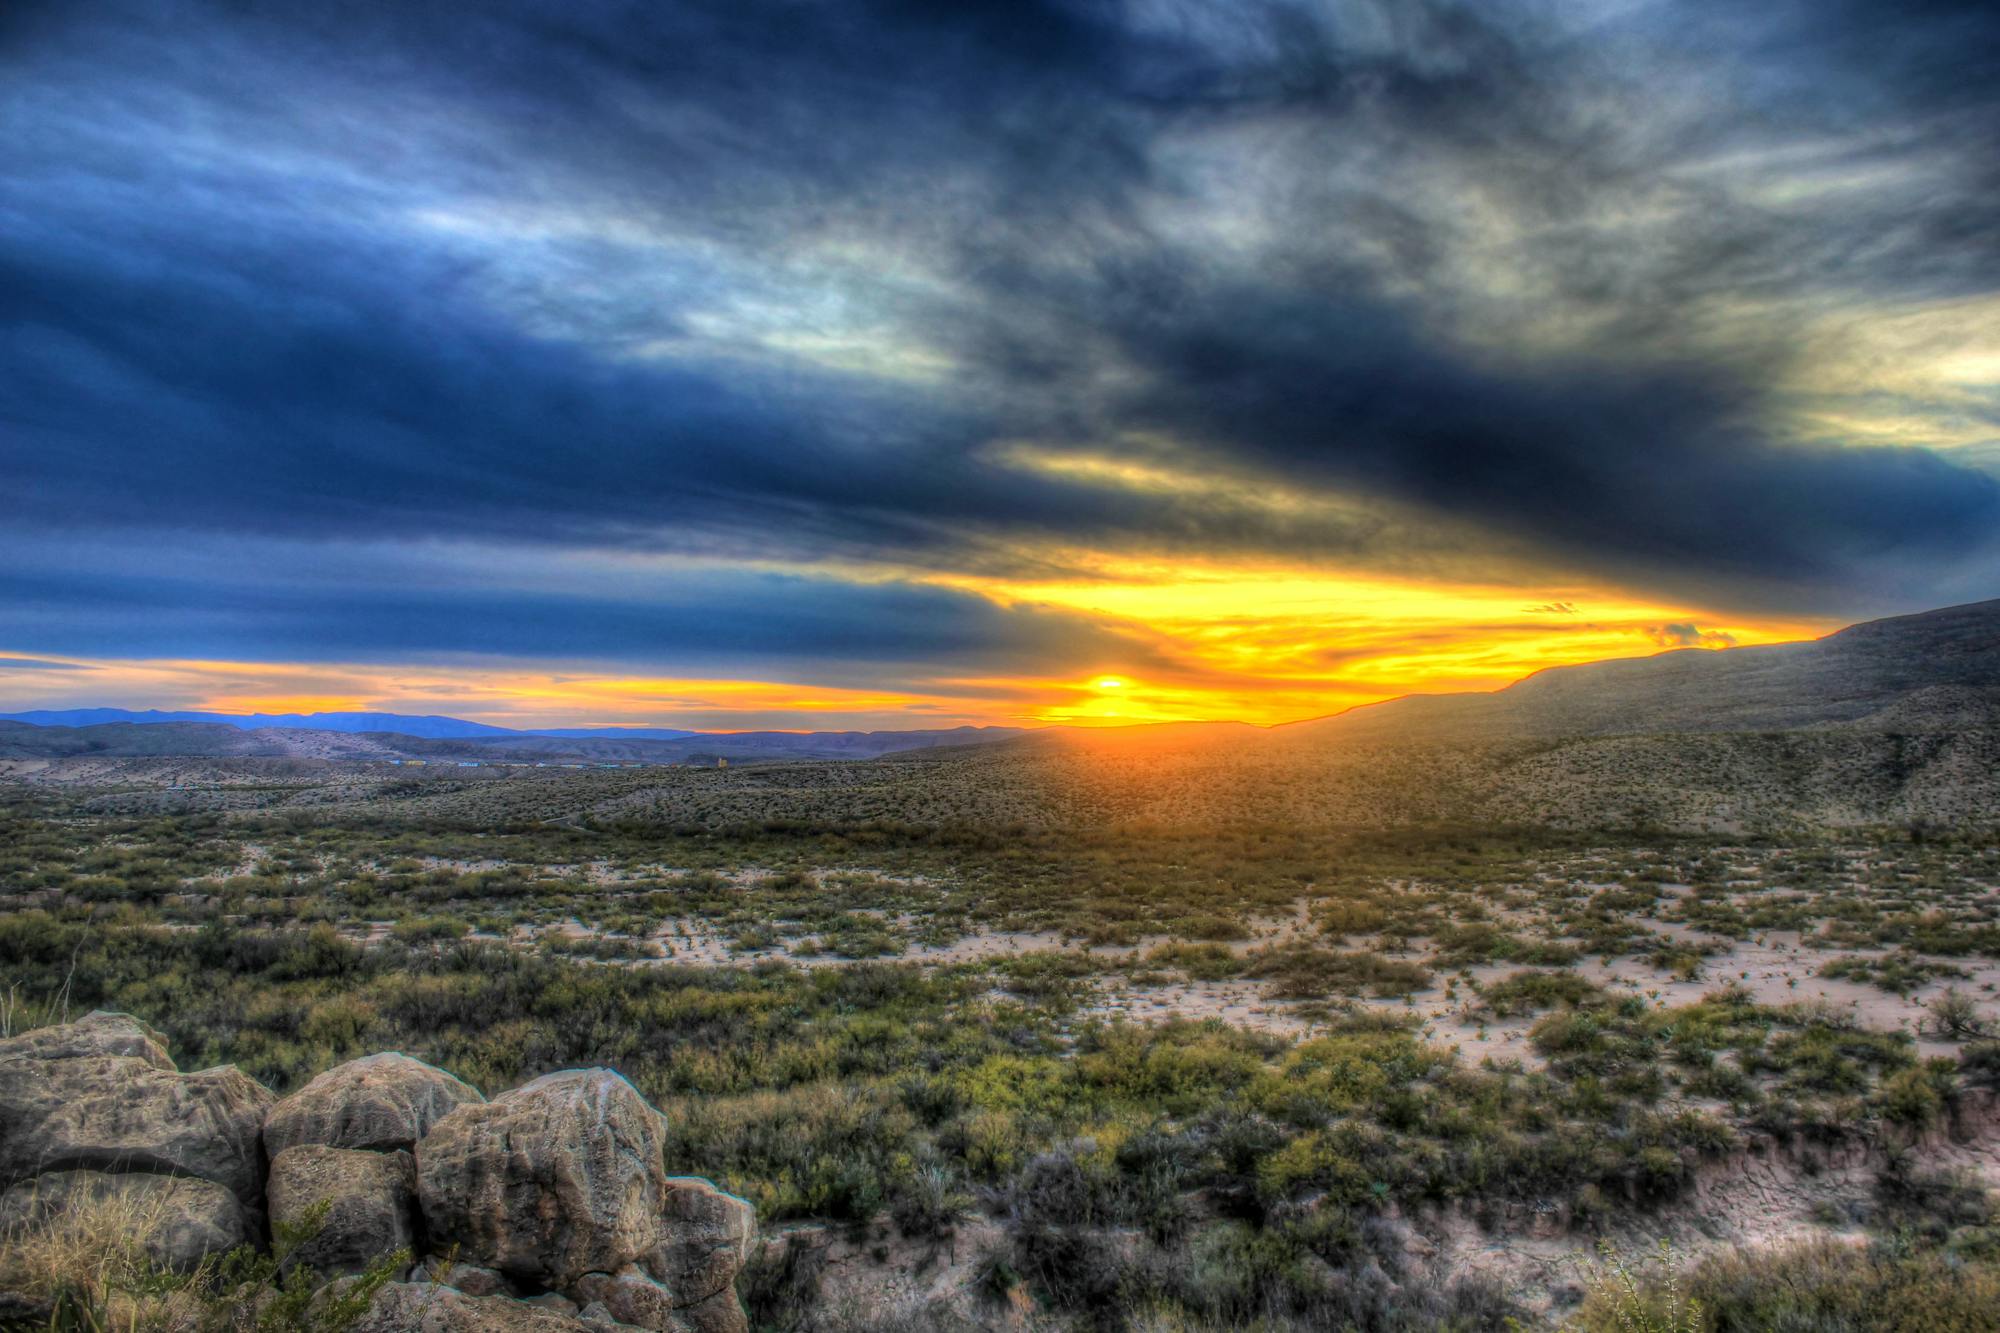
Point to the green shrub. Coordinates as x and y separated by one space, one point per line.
1299 972
1531 992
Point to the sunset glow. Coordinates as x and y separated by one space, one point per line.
1260 646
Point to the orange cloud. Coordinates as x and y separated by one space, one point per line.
1277 643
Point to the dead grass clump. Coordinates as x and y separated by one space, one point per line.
88 1264
1818 1284
90 1259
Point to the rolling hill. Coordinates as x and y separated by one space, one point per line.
1934 671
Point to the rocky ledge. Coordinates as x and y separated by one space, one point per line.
547 1208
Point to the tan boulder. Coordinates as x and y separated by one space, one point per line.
706 1240
548 1182
379 1103
687 1283
370 1203
99 1032
95 1095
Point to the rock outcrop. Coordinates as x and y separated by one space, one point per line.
379 1103
352 1206
548 1208
707 1241
102 1095
98 1033
550 1181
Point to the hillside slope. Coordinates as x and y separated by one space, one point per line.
1938 671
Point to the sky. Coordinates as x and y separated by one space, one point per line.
809 364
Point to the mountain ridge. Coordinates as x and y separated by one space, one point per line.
404 724
435 727
1870 669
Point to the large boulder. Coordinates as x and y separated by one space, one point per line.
548 1182
97 1033
370 1205
101 1095
379 1103
177 1221
687 1283
706 1239
423 1307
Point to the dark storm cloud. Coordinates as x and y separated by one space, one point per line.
1661 466
733 620
569 274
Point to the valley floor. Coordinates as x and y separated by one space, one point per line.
989 1072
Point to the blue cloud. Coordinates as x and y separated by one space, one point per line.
820 629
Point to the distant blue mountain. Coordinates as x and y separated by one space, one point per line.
431 728
616 733
827 743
